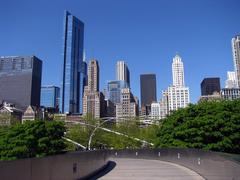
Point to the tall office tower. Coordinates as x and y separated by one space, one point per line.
50 98
210 85
148 92
73 74
20 80
178 93
177 71
231 81
127 108
236 57
93 76
114 90
93 100
122 72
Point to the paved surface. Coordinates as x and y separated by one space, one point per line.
149 169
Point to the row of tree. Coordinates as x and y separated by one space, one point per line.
209 125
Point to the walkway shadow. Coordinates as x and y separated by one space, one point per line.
110 166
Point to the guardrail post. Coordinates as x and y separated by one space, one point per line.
199 161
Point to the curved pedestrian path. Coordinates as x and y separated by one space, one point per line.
132 169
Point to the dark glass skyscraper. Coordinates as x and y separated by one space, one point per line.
210 85
20 80
148 89
73 70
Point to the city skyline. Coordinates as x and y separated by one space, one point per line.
139 58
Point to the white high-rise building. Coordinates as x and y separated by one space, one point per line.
178 97
155 110
231 81
122 72
177 71
177 94
236 56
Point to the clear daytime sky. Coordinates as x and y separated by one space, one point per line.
145 33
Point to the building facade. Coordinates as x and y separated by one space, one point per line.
114 90
230 93
73 65
210 85
231 81
9 114
178 97
122 72
236 57
50 97
93 100
20 80
155 110
32 113
127 108
148 92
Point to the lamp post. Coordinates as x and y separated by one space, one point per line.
93 132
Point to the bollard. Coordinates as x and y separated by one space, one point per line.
136 153
178 155
159 154
116 153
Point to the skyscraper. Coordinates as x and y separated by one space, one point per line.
177 71
231 81
178 93
93 76
122 72
236 56
93 100
73 70
20 80
210 85
148 91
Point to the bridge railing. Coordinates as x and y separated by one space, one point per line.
208 164
76 165
81 165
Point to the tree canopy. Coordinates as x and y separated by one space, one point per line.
31 139
208 125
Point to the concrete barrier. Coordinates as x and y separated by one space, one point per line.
82 165
210 165
76 165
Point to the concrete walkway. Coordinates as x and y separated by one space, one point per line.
139 169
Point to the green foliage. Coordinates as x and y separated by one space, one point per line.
81 134
31 139
208 125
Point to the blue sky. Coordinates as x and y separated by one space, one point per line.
145 33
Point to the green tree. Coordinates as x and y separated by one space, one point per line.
208 125
32 139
